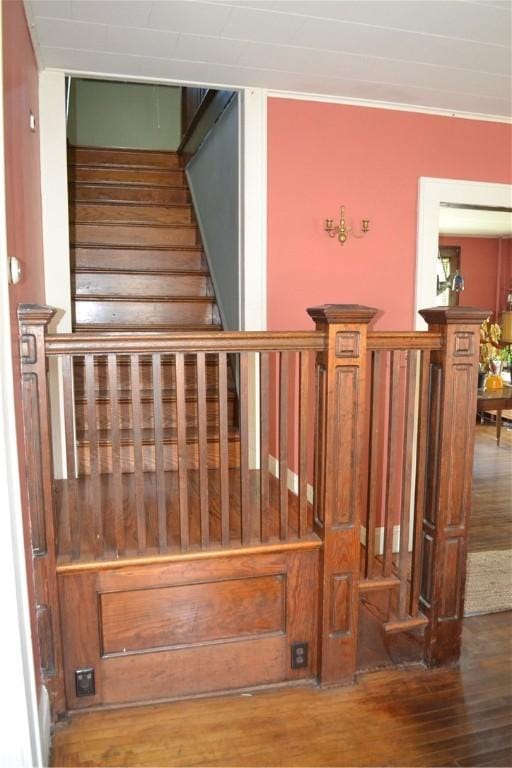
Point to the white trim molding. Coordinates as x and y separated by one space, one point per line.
431 193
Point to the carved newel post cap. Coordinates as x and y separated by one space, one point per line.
455 315
35 314
338 314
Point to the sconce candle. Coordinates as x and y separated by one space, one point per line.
342 230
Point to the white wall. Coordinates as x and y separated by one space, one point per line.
213 176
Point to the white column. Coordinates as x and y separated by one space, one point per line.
253 240
54 198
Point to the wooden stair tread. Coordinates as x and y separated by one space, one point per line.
142 299
146 395
130 204
405 625
136 247
168 327
136 271
119 224
170 435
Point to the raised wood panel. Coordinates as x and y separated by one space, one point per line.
141 284
147 313
460 445
127 259
341 603
120 235
160 178
137 193
262 603
131 157
29 383
345 426
161 617
131 213
426 568
453 570
433 443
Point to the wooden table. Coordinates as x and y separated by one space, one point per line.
495 400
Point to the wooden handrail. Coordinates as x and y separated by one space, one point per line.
215 341
381 340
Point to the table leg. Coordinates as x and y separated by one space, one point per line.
498 425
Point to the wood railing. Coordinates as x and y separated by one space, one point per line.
359 443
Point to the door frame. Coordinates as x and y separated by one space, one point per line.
431 193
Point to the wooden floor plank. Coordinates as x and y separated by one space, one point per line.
412 716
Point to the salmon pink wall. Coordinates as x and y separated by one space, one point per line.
23 211
322 155
479 266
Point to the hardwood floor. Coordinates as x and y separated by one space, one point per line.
491 501
412 716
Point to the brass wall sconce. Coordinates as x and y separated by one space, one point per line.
342 230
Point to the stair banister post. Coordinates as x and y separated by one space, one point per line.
33 325
453 396
341 381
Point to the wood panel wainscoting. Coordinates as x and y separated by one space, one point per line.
226 540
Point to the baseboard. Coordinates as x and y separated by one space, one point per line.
45 724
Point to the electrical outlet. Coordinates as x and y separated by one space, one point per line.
299 655
84 682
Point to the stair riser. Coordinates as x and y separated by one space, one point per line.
145 375
102 284
112 193
148 460
103 418
125 234
117 258
126 176
149 313
133 214
98 156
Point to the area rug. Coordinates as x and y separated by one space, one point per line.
489 582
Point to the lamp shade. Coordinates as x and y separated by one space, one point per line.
506 327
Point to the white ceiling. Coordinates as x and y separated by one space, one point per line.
468 222
440 54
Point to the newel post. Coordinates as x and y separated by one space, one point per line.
33 323
449 469
341 380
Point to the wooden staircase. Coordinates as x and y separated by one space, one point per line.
137 264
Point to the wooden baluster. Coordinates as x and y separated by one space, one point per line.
117 490
95 500
374 501
138 457
37 447
283 445
264 447
407 467
245 511
72 518
223 447
445 530
182 450
158 417
203 449
395 422
421 466
338 510
304 438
